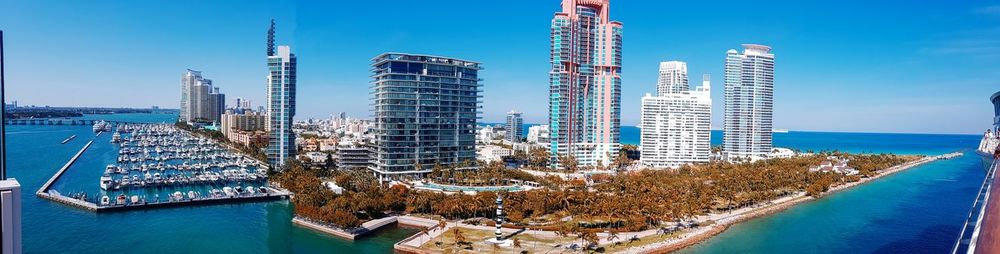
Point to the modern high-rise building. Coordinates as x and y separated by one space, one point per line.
585 83
749 103
425 113
515 127
673 78
200 101
281 66
676 123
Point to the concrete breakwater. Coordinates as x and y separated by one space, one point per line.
365 228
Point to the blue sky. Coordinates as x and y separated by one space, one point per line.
860 66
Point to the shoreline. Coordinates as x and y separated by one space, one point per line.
700 235
722 221
365 228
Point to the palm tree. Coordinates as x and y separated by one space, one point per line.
569 163
442 224
458 236
612 235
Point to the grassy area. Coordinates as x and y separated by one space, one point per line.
475 242
625 242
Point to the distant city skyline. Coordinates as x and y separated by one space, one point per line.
926 67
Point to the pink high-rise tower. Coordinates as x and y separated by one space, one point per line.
585 83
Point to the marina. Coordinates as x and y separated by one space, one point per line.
158 165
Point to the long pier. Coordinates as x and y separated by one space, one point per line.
272 194
45 187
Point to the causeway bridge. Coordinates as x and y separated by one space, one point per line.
61 122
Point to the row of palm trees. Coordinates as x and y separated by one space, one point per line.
625 201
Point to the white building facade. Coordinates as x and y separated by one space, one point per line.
676 123
281 80
749 103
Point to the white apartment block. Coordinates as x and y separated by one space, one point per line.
676 124
749 103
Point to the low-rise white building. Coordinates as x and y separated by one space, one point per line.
316 157
538 134
333 187
781 153
490 153
836 165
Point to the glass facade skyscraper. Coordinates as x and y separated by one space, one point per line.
425 113
749 100
585 83
515 127
280 103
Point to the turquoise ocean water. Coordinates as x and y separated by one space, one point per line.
916 211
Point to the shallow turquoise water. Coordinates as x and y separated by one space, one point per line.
915 211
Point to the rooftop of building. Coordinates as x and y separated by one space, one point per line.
426 59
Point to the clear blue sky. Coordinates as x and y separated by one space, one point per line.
906 66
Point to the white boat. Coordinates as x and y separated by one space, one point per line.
178 195
229 191
135 199
106 182
105 200
192 195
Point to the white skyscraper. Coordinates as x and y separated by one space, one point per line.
200 101
749 103
673 78
280 102
676 123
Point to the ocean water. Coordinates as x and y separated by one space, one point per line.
35 153
919 210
